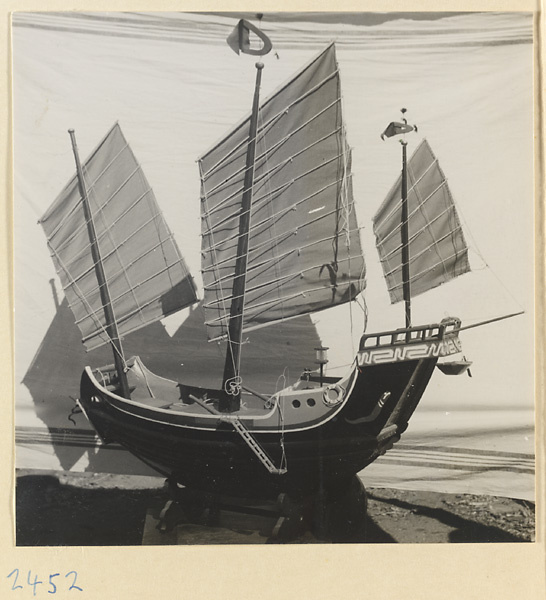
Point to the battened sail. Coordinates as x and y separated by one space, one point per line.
304 245
437 248
146 275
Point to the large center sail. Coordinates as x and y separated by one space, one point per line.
145 273
437 248
304 245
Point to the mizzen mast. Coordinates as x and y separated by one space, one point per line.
397 128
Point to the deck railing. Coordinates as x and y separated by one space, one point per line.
410 335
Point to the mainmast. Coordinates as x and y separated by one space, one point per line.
111 325
231 383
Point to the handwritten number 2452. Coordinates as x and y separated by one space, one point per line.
71 576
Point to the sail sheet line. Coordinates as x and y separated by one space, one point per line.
425 227
277 115
73 182
238 213
273 218
289 276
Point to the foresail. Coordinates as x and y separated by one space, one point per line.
146 275
304 245
437 248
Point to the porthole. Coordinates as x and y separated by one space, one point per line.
311 402
296 403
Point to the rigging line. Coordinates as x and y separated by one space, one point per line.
73 183
225 332
476 248
278 115
276 215
99 209
91 311
345 200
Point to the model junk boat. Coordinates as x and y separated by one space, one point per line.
279 239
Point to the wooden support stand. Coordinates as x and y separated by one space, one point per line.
191 517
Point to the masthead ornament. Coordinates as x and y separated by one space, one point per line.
398 128
239 39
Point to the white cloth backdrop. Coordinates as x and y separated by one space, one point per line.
175 87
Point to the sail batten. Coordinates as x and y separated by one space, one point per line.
146 276
267 174
274 217
417 233
267 121
437 247
273 282
413 184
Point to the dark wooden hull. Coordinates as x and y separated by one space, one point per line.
320 453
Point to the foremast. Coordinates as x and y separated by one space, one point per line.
110 319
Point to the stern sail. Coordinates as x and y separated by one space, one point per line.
146 275
437 247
